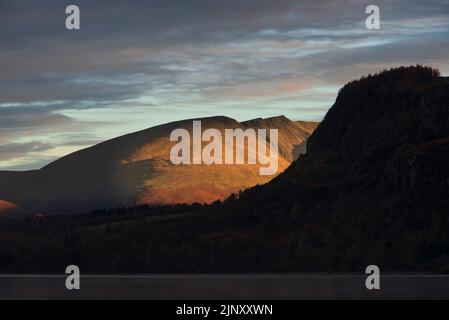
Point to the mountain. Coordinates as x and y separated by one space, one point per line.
136 169
373 188
387 136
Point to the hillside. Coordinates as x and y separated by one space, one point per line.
136 169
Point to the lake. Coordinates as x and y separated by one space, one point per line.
224 286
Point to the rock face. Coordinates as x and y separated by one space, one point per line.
136 169
391 129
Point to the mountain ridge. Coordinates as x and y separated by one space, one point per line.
135 169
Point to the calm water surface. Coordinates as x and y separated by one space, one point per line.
217 286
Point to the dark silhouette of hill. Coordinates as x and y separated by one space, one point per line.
387 132
373 188
374 184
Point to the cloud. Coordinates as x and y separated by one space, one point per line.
20 117
14 150
138 63
180 46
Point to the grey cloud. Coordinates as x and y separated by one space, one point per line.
136 39
197 54
14 150
30 164
25 118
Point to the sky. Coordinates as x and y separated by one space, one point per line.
136 64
